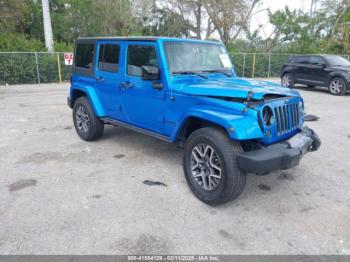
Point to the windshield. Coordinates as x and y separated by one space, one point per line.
337 61
196 57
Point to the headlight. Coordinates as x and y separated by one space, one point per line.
301 107
268 117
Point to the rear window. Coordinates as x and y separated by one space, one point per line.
108 59
84 55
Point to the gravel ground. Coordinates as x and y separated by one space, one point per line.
61 195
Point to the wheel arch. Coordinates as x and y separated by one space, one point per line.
286 72
237 127
193 123
336 75
77 92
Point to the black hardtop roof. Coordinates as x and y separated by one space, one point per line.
126 38
143 38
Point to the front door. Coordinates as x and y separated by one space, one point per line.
142 104
108 77
317 70
302 63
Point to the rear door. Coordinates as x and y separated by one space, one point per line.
108 76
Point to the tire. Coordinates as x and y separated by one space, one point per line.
220 152
337 86
88 126
287 80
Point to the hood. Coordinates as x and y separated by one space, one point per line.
232 87
343 68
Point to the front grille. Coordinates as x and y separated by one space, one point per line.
287 118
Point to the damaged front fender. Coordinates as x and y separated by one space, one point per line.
238 126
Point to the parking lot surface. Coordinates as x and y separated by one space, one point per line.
61 195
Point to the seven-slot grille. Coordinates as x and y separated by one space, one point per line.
287 118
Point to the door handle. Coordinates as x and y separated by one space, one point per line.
125 85
100 79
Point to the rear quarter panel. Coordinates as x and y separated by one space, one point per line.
86 84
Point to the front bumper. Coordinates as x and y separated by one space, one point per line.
279 156
69 102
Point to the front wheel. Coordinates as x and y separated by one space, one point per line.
287 80
210 166
87 125
337 86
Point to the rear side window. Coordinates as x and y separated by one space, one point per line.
316 60
108 58
140 55
302 60
84 55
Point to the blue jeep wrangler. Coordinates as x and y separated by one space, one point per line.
186 92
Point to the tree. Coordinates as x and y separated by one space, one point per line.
165 23
324 28
22 17
338 36
229 17
189 13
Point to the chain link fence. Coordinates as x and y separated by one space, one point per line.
33 68
47 67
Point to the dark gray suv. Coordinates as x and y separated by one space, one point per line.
317 70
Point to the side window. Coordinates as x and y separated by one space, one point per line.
140 55
302 60
316 60
84 55
108 57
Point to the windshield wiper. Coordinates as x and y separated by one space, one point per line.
217 71
190 73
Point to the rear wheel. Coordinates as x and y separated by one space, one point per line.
337 86
287 80
211 168
88 126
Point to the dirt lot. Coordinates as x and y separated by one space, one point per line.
61 195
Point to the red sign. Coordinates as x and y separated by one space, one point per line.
68 58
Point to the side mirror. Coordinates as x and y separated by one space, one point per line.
150 73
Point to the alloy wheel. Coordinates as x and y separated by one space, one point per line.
336 86
286 80
82 119
206 166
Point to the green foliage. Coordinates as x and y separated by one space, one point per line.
64 47
298 30
19 42
17 69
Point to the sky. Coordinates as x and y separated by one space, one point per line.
261 18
